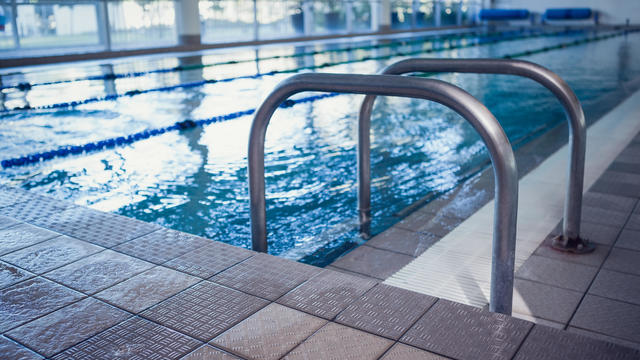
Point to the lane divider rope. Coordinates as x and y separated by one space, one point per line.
131 93
68 150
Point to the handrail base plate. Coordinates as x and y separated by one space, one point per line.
574 246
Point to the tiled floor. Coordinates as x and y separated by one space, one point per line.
80 284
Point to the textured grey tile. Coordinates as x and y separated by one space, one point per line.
386 311
135 338
373 262
564 274
334 341
440 225
13 351
624 167
617 286
595 258
479 334
97 227
22 236
591 334
544 301
270 333
68 326
404 241
266 276
616 188
415 220
538 320
609 202
629 239
598 233
609 317
146 289
10 196
209 259
603 216
343 271
634 222
34 208
548 343
204 310
162 245
30 299
623 260
99 271
6 222
401 351
51 254
208 352
10 275
326 294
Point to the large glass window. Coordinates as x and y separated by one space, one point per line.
43 24
141 23
361 10
401 14
6 29
226 20
279 19
329 16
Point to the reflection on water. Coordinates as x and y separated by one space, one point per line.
195 180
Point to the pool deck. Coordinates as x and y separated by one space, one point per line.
79 283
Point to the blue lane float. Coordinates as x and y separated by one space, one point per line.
135 92
67 150
504 14
568 14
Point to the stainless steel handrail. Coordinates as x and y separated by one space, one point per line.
500 152
570 239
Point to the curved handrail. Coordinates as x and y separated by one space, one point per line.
500 152
570 239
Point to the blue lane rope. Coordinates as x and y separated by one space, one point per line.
67 150
24 86
130 93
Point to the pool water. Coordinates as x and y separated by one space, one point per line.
195 180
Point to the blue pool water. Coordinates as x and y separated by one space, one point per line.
195 180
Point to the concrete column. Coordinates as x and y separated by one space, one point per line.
349 15
104 31
437 13
307 17
188 22
380 15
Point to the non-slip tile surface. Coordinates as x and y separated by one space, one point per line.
401 351
135 338
618 286
606 316
334 341
623 260
609 202
563 274
162 245
10 196
68 326
97 227
403 241
98 271
595 258
10 274
266 276
544 301
386 311
209 260
479 334
611 339
146 289
270 333
207 352
327 294
629 239
603 216
548 343
13 351
6 222
373 262
34 208
22 236
634 222
30 299
204 310
50 254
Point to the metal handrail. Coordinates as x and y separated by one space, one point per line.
570 239
500 152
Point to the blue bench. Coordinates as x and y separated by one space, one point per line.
504 14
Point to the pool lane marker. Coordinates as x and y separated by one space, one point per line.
68 150
24 86
70 104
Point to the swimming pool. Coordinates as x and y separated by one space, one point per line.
194 180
